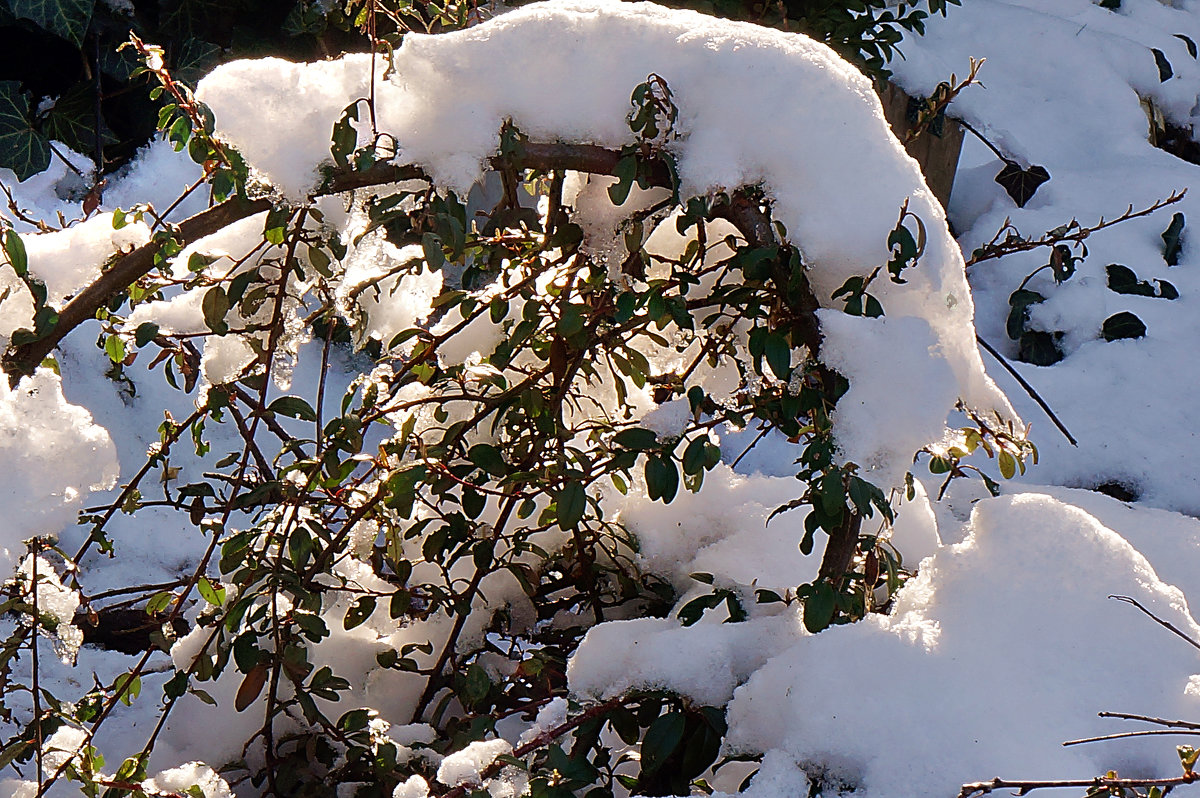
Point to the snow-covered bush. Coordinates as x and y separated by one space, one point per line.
436 370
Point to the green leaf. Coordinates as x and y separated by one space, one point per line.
819 607
159 602
662 738
1008 465
215 305
66 18
22 149
294 407
435 256
145 333
636 438
625 172
1122 325
1173 240
359 612
213 595
489 458
114 347
1123 280
662 478
14 248
1040 348
72 120
476 685
1018 315
571 502
778 354
1165 72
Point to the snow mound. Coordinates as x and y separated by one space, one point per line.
1003 647
565 70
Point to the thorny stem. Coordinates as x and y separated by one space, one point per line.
1026 787
1073 233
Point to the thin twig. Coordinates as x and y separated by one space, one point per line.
1169 626
1122 735
1025 787
1028 389
1071 232
1178 724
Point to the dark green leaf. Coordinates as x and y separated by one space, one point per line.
636 438
477 684
489 458
1164 66
1039 348
1122 325
778 354
66 18
1173 240
1021 184
14 248
1123 280
662 478
22 149
819 607
294 407
625 172
145 333
1188 43
662 738
571 502
1018 314
359 612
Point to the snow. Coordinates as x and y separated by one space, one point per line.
1005 643
466 766
67 260
725 77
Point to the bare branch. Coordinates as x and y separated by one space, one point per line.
1170 626
1070 232
1026 787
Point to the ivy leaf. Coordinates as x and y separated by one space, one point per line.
1123 325
1040 348
1018 314
66 18
72 120
1165 72
1173 240
22 149
1123 280
1021 184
